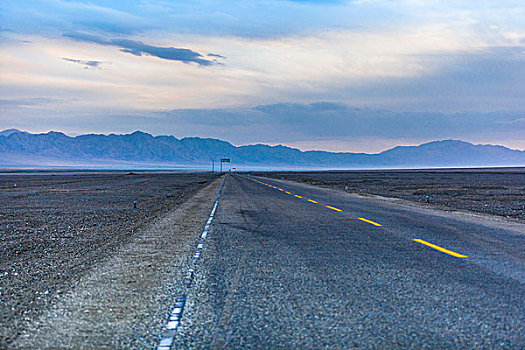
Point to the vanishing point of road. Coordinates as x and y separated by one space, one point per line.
288 265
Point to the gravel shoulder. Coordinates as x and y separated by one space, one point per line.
124 303
109 285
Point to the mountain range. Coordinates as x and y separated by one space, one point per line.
19 149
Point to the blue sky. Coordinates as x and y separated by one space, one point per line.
360 75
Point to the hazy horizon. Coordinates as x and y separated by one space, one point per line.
335 75
260 143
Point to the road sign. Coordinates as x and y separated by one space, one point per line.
224 160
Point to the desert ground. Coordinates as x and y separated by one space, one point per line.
121 234
54 228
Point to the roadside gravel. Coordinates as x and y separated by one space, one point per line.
79 265
124 303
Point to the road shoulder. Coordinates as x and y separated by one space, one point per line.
124 302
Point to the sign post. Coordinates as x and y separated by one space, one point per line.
224 160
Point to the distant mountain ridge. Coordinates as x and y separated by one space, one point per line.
8 132
22 149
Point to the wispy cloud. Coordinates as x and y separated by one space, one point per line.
289 122
215 55
27 102
318 2
138 48
86 64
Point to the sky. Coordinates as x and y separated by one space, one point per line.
356 76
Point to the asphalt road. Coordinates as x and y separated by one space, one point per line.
306 267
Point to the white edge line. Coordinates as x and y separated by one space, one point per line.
173 323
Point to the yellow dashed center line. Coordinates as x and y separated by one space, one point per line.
336 209
443 250
433 246
370 222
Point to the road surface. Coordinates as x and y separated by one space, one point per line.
288 265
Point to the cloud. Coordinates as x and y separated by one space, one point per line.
318 2
338 120
228 17
215 55
486 80
53 17
323 125
138 48
86 64
292 122
27 102
316 107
